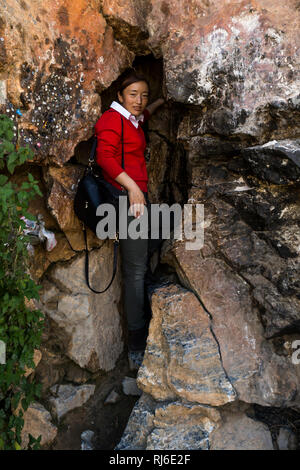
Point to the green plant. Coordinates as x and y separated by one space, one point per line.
20 327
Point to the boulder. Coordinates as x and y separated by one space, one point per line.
37 422
168 426
91 329
239 432
130 387
182 357
182 426
139 426
69 397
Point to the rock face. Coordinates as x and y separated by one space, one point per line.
92 330
37 422
55 57
255 371
182 358
186 426
241 433
221 338
237 62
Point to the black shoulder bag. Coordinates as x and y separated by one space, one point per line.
92 191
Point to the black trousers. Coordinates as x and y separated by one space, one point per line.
135 255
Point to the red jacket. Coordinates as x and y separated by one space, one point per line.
109 151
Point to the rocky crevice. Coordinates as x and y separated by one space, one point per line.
218 369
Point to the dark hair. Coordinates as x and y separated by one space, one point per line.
132 77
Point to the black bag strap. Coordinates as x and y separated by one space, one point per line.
116 241
93 151
115 262
116 244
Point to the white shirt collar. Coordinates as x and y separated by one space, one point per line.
135 120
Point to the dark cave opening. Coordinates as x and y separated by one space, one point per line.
166 157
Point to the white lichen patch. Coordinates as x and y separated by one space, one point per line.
248 22
273 34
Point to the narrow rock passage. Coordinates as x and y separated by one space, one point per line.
107 421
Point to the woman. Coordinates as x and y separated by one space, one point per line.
133 97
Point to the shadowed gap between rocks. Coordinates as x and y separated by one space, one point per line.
165 185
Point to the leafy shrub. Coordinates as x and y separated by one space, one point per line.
20 327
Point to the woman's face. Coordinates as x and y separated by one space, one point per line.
135 97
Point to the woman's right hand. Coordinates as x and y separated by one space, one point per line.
136 201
